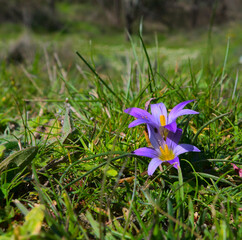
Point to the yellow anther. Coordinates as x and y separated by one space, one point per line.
166 153
162 120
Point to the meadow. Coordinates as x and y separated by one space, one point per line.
66 163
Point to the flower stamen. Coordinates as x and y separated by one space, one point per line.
166 153
162 120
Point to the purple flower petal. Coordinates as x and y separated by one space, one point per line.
172 127
175 161
154 163
139 113
181 113
183 148
137 122
155 137
173 139
175 112
180 106
146 152
157 110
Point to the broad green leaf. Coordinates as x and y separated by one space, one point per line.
33 221
19 159
68 129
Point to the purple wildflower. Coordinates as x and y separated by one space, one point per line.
159 119
164 150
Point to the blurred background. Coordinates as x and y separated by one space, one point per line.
158 15
41 37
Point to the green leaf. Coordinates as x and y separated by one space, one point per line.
206 175
112 173
68 128
21 207
94 224
2 150
73 228
191 212
6 213
19 159
181 188
33 221
170 211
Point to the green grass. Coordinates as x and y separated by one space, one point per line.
65 143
